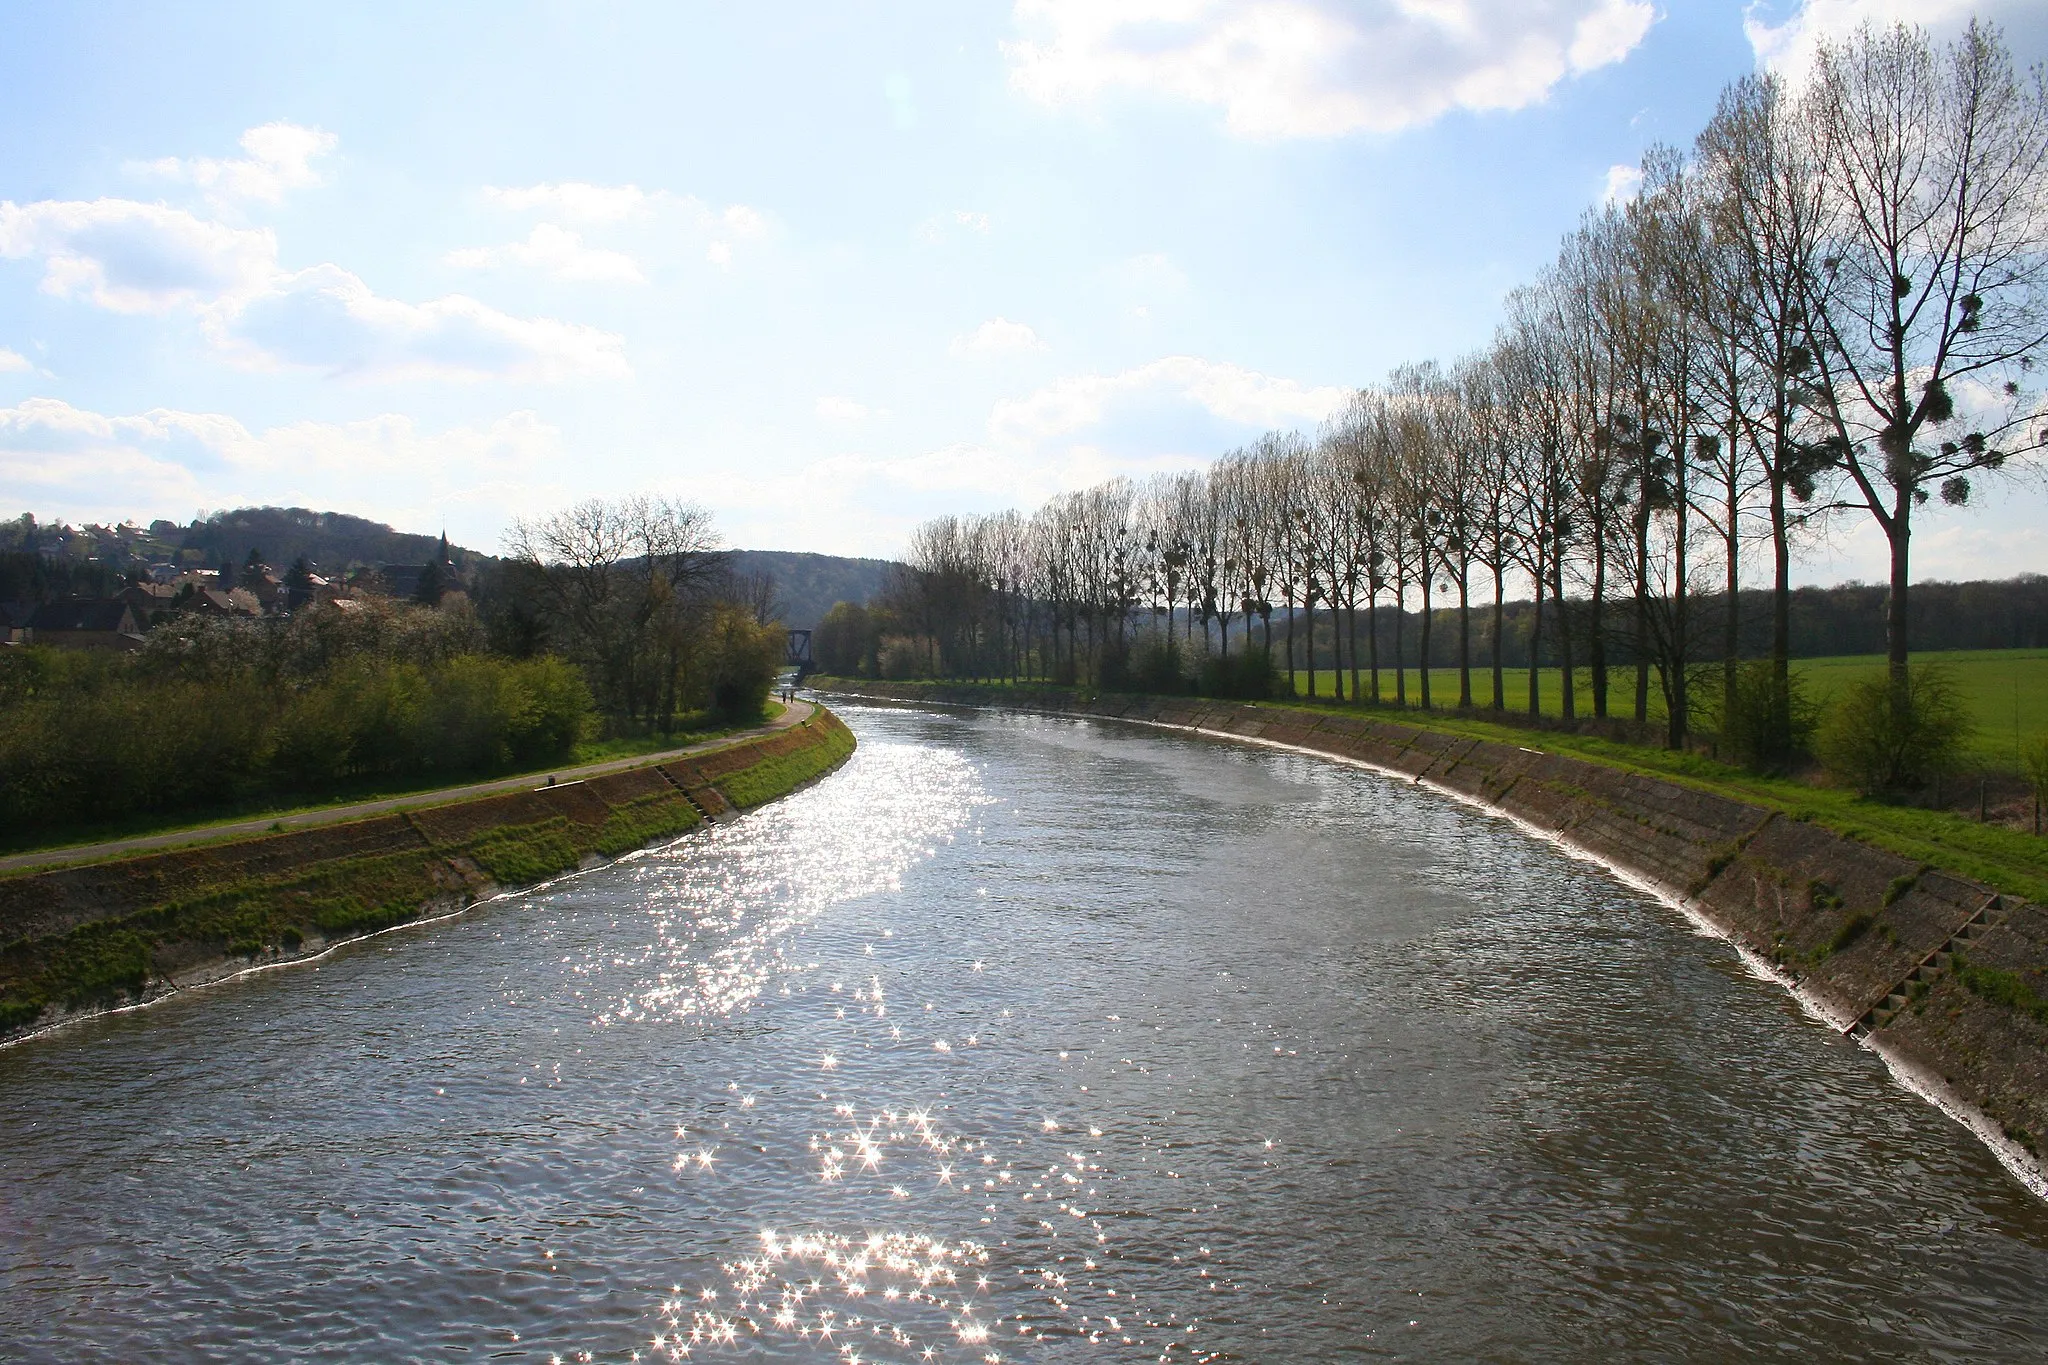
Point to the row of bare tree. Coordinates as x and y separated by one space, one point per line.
1828 307
639 593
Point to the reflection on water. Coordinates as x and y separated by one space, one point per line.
1018 1039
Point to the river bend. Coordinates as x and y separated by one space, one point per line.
1023 1038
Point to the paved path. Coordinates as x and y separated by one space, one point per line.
795 713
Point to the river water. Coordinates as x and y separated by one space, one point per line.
1018 1038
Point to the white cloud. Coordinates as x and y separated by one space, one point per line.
280 158
556 252
1624 182
1173 414
327 319
1151 273
1320 68
134 258
575 200
1789 47
14 362
579 201
941 225
834 408
1230 393
81 464
997 336
130 257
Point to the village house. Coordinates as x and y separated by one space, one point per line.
107 624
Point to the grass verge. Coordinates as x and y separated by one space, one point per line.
265 898
2007 860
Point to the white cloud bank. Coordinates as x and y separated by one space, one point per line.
79 464
575 200
14 362
839 408
1788 47
561 253
327 319
556 252
1229 393
131 257
997 336
280 158
1320 68
1623 184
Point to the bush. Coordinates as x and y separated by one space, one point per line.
1763 730
901 659
1876 741
2034 762
741 659
1155 665
1248 675
844 641
89 741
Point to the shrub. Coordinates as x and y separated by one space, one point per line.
112 745
900 658
741 658
844 641
1876 740
2035 763
1155 665
1765 727
1248 675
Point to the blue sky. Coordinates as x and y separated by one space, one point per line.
827 269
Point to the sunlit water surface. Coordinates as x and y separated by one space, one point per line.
1017 1039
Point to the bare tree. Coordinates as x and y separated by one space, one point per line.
1931 293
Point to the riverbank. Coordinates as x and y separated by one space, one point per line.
1941 974
122 932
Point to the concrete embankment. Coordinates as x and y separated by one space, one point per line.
1942 976
106 935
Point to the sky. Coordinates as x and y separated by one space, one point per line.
827 269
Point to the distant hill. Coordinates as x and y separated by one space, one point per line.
807 585
330 540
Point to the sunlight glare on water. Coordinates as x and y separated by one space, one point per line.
1018 1039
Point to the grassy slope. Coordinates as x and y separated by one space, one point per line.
776 776
241 916
2005 689
2001 858
276 805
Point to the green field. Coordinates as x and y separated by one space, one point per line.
2006 690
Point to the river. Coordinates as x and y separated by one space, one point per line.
1019 1038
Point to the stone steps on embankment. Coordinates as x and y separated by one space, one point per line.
1852 927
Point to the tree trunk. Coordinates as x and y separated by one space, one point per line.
1372 641
1500 625
1351 629
1309 646
1293 689
1428 621
1566 702
1900 534
1731 624
1464 633
1400 652
1596 633
1643 648
1778 743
